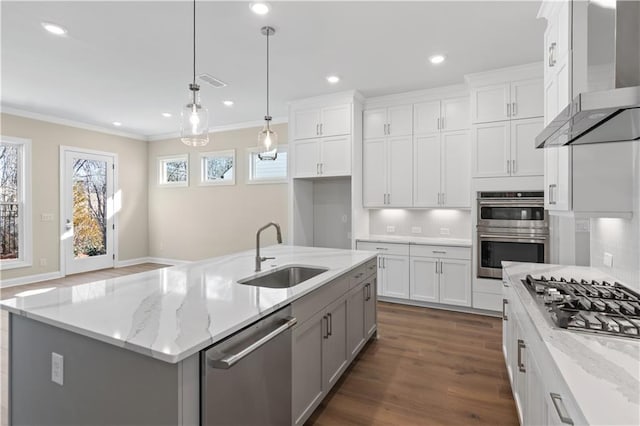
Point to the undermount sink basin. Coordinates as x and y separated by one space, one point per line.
284 278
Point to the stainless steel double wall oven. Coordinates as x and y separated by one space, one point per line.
511 226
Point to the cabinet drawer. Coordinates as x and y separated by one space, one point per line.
441 252
362 273
488 286
307 306
488 301
384 248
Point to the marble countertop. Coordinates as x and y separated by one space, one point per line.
602 372
172 313
451 242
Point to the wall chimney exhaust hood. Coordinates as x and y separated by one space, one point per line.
605 72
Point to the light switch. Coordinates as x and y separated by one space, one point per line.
46 217
57 368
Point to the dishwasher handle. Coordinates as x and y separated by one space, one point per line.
225 361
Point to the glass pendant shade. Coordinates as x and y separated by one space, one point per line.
267 143
194 129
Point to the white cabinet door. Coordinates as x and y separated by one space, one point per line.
306 158
374 123
456 169
527 98
370 307
550 176
423 278
400 171
355 325
558 178
455 282
308 381
307 124
335 156
374 173
336 120
550 99
489 103
455 114
426 170
426 116
396 276
335 355
526 160
536 409
400 120
490 149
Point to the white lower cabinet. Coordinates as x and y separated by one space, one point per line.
356 336
425 281
441 280
335 357
395 276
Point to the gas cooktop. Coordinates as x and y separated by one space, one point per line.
590 306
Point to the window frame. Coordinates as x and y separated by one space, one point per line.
251 153
162 160
203 156
25 220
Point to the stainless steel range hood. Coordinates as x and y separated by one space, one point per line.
605 72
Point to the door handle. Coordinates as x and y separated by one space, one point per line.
513 109
379 263
508 110
504 313
320 129
513 166
552 54
329 325
321 168
384 263
440 267
521 346
326 334
444 198
389 129
438 123
68 225
508 167
439 251
228 360
442 123
388 198
317 168
317 129
551 193
561 409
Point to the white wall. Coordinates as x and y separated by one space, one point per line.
620 237
431 221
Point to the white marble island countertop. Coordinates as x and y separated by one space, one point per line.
407 239
602 372
172 313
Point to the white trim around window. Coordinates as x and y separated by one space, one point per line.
229 176
282 169
25 220
163 177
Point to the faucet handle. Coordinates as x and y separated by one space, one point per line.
266 258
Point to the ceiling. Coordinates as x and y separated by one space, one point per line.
131 61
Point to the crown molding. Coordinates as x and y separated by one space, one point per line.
6 109
415 96
500 75
223 128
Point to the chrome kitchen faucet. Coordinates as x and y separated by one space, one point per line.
259 259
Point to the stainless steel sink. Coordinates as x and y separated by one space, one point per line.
284 278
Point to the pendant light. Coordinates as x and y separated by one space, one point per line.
267 138
194 128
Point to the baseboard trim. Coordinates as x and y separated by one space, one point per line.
30 279
453 308
172 262
140 260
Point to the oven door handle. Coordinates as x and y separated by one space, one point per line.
513 237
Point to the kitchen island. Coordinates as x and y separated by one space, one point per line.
130 348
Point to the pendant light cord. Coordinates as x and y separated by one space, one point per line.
194 42
268 116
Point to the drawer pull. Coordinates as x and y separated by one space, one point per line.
521 346
381 248
439 251
561 409
504 313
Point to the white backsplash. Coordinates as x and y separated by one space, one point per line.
620 238
432 222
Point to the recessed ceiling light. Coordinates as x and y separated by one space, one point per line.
166 114
228 103
333 79
437 59
54 29
117 123
260 8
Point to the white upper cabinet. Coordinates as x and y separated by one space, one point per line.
387 172
441 115
330 156
507 148
507 101
393 121
426 166
374 173
307 157
322 122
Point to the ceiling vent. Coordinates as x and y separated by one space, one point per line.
211 80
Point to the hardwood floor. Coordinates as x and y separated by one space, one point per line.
67 281
428 367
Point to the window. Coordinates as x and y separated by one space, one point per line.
173 170
218 168
15 202
268 171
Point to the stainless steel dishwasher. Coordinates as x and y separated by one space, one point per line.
246 378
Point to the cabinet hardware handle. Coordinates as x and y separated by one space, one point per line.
444 198
440 267
442 123
513 166
317 129
389 129
438 123
359 275
321 168
508 167
317 168
439 251
384 127
330 325
521 346
326 334
320 129
388 198
436 263
552 54
369 292
561 409
504 313
504 284
384 263
508 110
513 109
366 292
381 248
385 198
379 263
551 193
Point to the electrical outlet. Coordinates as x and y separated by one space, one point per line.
391 228
582 225
46 217
416 230
608 260
43 261
57 368
444 231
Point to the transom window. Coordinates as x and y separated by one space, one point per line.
15 202
173 170
218 168
268 171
